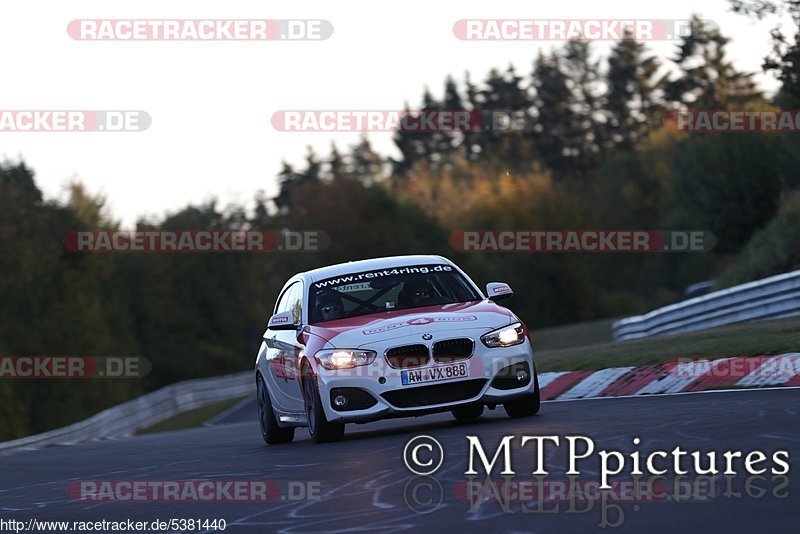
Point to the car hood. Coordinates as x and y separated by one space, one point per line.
362 331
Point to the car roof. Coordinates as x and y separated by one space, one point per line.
349 267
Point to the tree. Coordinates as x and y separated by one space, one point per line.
90 209
337 166
583 77
366 164
707 79
564 123
503 99
784 60
313 168
452 103
55 302
554 114
631 103
418 144
731 184
472 145
287 179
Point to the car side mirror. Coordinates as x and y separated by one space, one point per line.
498 291
282 321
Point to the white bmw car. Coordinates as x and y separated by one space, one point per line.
389 337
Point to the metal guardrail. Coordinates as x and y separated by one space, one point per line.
769 298
125 419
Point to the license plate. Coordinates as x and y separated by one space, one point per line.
434 374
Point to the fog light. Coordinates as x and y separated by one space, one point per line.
340 401
522 376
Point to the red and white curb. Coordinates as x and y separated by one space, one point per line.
678 376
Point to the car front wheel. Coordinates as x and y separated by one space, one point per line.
270 431
320 429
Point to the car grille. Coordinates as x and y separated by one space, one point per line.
435 394
506 378
449 350
357 399
407 356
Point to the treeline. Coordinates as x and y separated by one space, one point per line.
597 156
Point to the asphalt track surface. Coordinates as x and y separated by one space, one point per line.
366 486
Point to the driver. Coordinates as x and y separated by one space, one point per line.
329 306
416 292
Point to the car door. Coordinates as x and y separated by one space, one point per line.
283 355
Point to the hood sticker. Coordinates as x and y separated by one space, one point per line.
421 321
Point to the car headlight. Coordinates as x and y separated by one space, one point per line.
344 358
510 335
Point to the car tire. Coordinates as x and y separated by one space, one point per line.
270 431
527 405
468 411
321 430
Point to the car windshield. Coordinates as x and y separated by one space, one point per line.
388 289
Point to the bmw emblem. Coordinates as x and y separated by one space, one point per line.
427 337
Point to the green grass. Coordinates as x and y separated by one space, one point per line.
770 337
573 335
192 418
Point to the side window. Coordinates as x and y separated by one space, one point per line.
295 303
292 300
283 303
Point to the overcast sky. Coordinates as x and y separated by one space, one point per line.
211 102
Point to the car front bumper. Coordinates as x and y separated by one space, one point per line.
381 386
